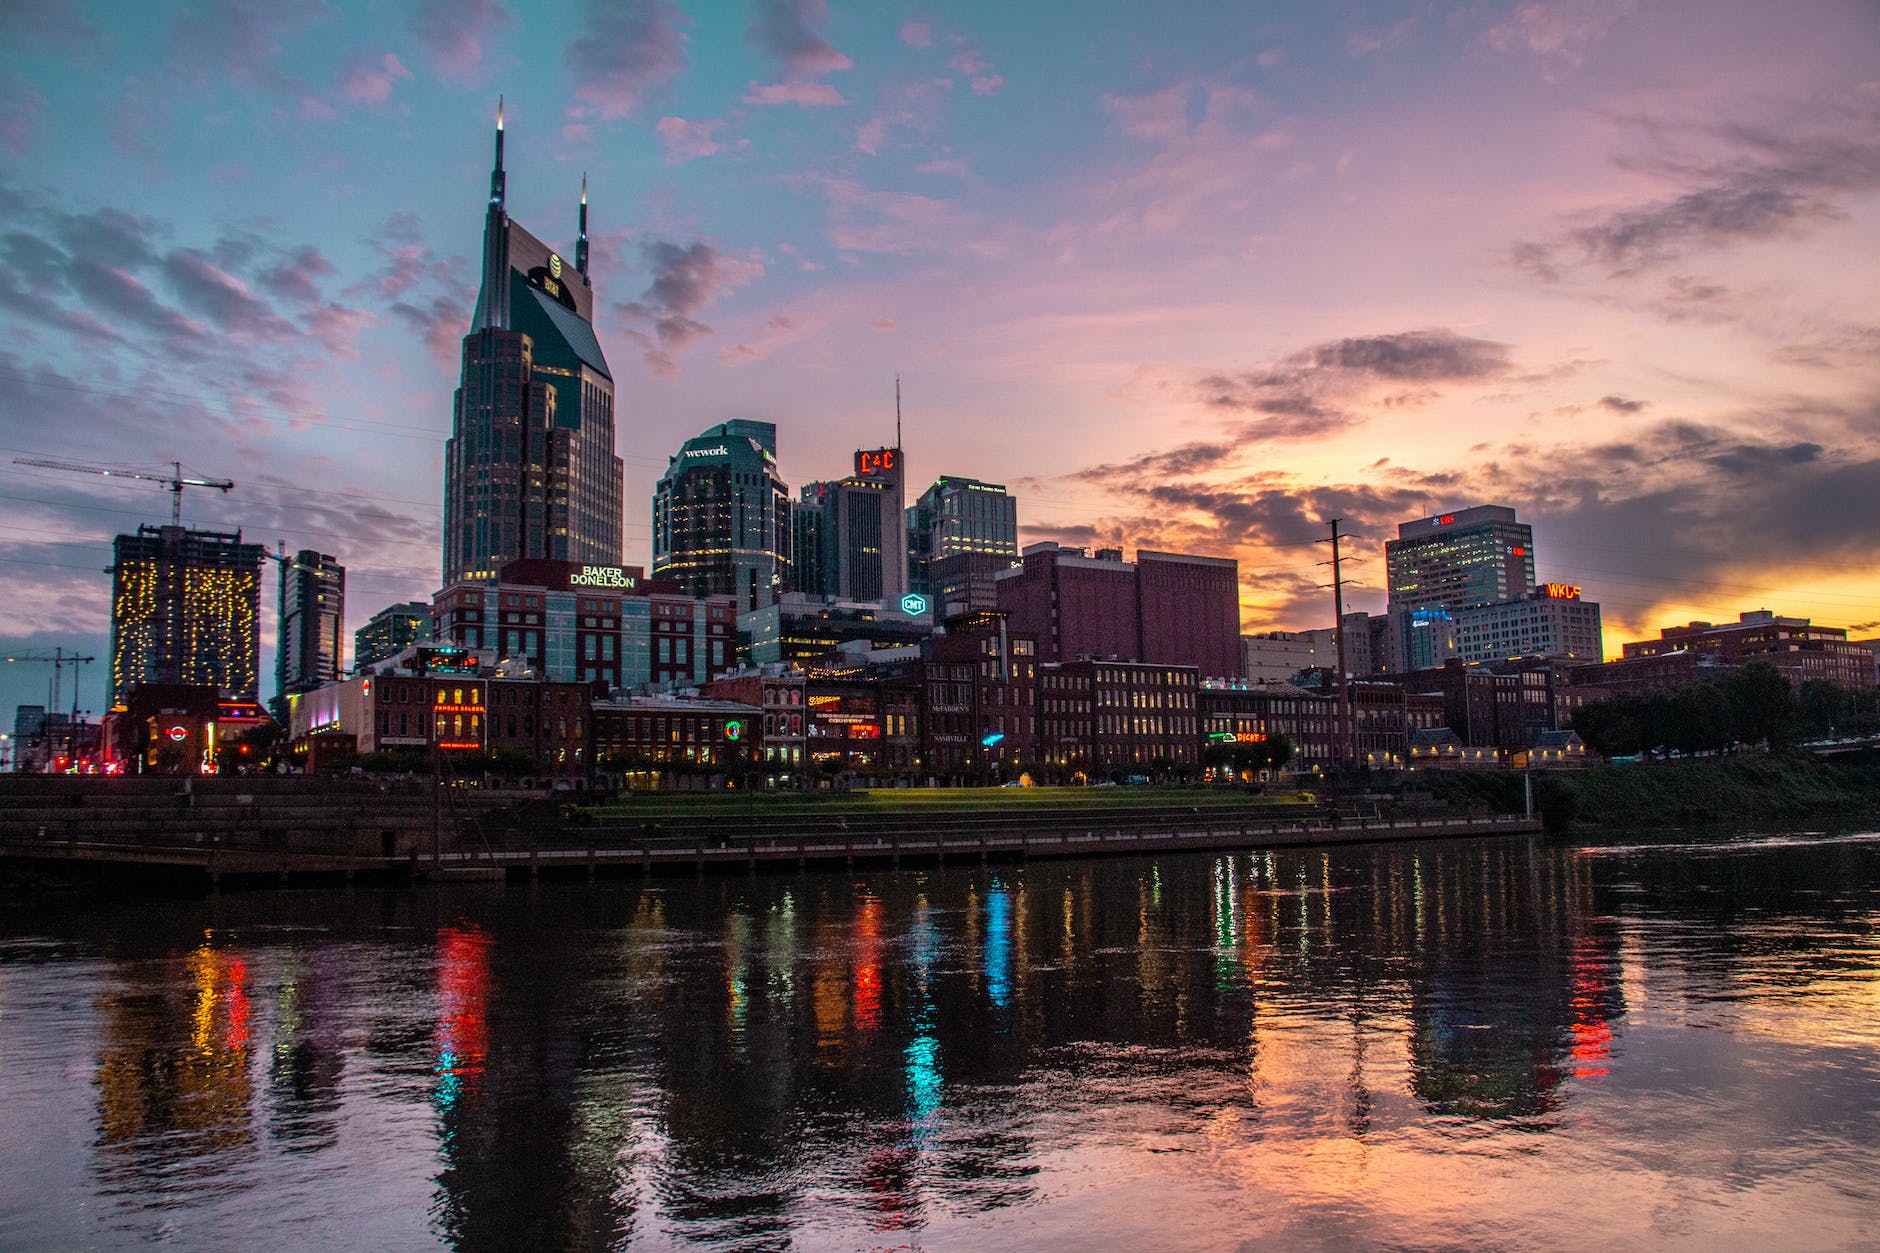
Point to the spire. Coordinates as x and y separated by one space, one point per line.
493 294
580 244
897 411
496 173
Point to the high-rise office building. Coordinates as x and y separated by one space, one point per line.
186 608
390 631
859 533
960 534
312 648
722 517
530 470
1460 560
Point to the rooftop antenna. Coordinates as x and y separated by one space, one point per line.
897 411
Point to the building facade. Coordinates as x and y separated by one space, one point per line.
312 648
961 534
529 469
569 623
1551 621
1166 608
1795 646
722 516
855 531
390 631
186 609
1479 556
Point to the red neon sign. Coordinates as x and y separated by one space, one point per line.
877 460
1446 519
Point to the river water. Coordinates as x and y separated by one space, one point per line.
1503 1043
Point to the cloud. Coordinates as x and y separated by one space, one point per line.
899 223
687 279
785 30
916 33
885 324
441 323
24 22
1316 391
370 81
457 33
225 300
686 140
240 41
20 107
784 329
297 277
1559 33
809 95
1619 404
625 51
1739 183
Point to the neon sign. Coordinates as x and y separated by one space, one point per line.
877 460
1561 591
734 730
178 733
720 451
913 604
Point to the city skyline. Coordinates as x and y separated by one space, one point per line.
1184 290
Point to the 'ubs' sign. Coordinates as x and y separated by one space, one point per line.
602 576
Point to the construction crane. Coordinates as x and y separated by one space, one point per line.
58 659
174 481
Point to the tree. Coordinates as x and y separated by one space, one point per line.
1761 703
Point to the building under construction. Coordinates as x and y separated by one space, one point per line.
186 609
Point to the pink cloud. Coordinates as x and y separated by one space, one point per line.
370 82
685 140
885 324
625 52
986 84
785 30
457 32
916 33
781 331
806 94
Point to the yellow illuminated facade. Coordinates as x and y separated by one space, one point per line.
186 608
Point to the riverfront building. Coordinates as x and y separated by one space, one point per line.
390 631
1460 560
961 534
186 609
1166 608
529 469
850 533
312 648
570 623
721 516
1694 652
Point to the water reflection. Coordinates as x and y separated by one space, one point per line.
1195 1049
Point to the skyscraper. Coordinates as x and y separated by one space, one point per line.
1478 556
312 647
530 470
186 608
861 533
721 516
960 533
390 631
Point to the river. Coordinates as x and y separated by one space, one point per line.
1496 1043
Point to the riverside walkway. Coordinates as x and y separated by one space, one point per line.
313 830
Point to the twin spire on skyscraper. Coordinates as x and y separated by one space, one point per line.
493 297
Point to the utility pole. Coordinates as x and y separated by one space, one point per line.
1346 746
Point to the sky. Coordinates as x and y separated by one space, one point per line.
1195 277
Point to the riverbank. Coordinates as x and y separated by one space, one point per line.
1705 791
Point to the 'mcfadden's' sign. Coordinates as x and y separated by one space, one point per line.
602 576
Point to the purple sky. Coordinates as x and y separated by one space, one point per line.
1191 277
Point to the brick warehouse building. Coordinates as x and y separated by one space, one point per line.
1167 608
